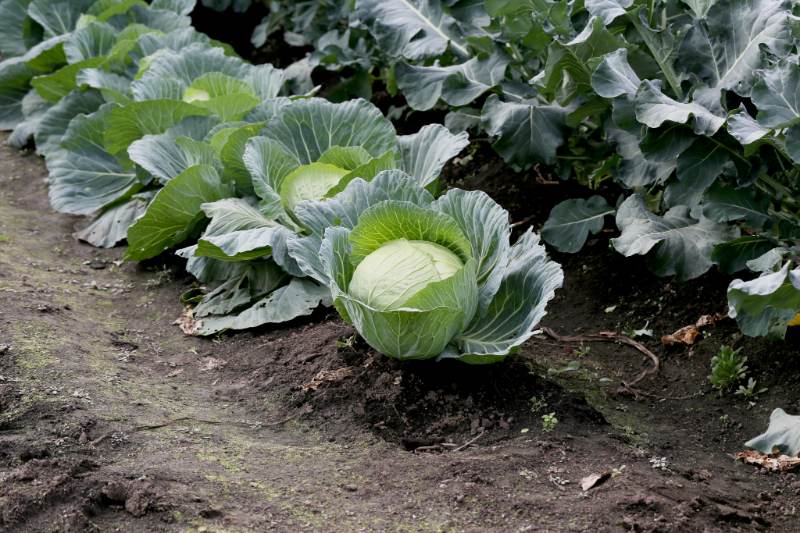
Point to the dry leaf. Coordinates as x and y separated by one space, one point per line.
330 376
187 322
687 334
595 480
773 463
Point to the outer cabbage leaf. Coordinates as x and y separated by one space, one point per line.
299 298
84 176
528 283
18 32
111 228
175 212
527 132
724 50
457 85
309 127
424 154
782 435
764 306
413 29
571 221
677 243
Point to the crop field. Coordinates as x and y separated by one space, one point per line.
399 265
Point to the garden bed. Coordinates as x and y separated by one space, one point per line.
111 418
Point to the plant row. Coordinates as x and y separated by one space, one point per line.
280 203
691 108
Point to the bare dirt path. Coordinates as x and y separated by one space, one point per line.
111 419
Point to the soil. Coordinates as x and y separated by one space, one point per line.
112 419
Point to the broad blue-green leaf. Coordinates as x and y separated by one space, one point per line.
227 97
33 109
412 29
111 228
782 435
165 155
734 256
676 244
309 127
239 245
769 261
268 163
84 176
55 121
527 132
232 155
15 78
698 167
608 10
457 85
727 204
182 7
133 121
93 40
700 7
764 306
58 17
614 76
244 283
571 221
486 225
53 87
653 108
528 283
299 298
636 168
424 154
744 128
17 31
114 87
175 212
569 66
776 95
724 50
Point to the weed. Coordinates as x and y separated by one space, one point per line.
751 392
549 422
538 404
727 368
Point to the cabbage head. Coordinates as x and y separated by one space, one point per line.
420 277
311 149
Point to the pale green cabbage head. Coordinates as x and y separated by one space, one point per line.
388 277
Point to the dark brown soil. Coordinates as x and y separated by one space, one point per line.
111 419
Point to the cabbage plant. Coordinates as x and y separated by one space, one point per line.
420 277
309 150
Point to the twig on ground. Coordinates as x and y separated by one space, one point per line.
469 442
611 336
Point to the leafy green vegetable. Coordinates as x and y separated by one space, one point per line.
420 278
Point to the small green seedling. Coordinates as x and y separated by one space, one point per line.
583 350
549 422
727 368
751 392
538 404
